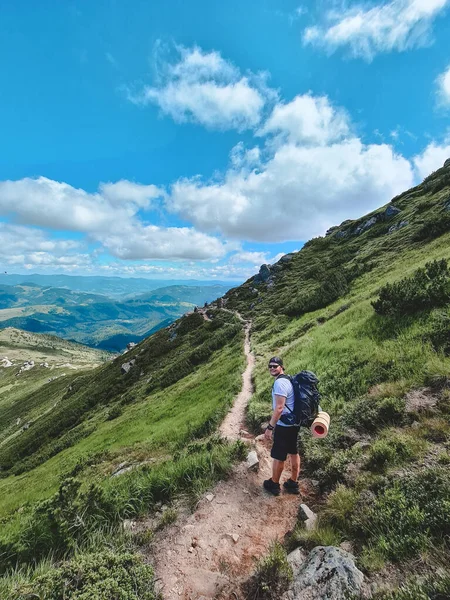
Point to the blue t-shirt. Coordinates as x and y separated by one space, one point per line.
283 387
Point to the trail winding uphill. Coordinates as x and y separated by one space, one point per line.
208 553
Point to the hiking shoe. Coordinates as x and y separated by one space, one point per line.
291 486
272 487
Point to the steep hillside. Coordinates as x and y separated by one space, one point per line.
367 307
30 364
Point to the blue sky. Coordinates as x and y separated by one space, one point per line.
201 139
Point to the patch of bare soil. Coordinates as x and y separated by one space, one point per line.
420 400
207 554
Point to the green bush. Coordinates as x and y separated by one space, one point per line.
408 515
371 414
433 228
427 288
273 575
440 331
387 452
436 587
334 285
96 576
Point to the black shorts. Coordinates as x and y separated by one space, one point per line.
284 442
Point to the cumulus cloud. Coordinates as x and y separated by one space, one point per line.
28 246
308 120
432 158
58 205
124 191
396 25
108 216
304 186
443 82
152 242
204 88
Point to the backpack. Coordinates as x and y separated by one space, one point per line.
306 399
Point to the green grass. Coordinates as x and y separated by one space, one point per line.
383 468
158 423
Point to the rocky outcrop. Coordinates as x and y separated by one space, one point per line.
126 367
397 226
263 275
447 163
391 211
327 573
366 225
27 365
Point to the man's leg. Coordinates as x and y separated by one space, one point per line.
277 469
295 466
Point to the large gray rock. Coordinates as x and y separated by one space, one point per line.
391 211
263 275
126 367
447 163
328 573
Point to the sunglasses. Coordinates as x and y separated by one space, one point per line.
274 366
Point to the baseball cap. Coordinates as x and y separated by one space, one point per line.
276 360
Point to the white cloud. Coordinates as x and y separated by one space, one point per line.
204 88
123 191
301 189
30 246
396 25
432 158
443 82
152 242
254 258
109 217
308 120
57 205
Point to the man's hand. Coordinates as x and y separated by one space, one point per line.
268 434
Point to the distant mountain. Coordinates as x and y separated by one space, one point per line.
94 319
109 286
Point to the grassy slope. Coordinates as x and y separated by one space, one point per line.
362 359
376 452
151 422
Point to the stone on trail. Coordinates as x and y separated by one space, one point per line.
328 573
209 497
307 516
252 461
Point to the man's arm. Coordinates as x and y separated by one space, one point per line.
280 401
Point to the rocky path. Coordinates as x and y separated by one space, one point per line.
207 554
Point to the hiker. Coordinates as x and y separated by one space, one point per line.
284 436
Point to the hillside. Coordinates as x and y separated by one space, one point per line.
94 319
367 307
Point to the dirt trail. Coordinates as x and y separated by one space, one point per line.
207 554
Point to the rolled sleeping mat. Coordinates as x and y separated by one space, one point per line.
321 424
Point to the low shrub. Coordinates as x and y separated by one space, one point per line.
94 576
370 414
387 452
432 228
334 286
427 288
436 587
273 575
407 516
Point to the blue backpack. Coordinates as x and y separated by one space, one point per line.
306 399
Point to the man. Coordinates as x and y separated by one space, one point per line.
284 436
